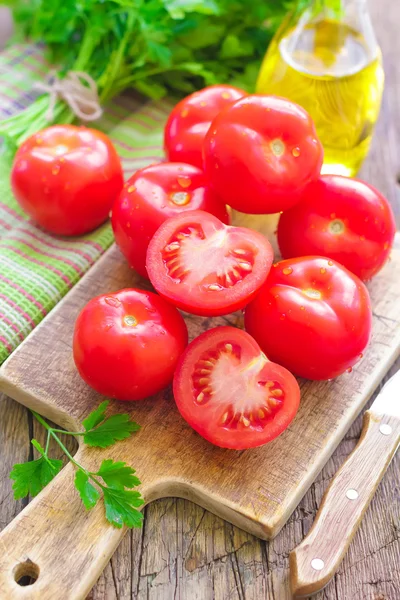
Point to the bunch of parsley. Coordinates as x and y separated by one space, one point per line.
156 47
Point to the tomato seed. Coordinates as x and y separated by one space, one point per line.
172 247
276 392
228 347
200 397
245 266
208 363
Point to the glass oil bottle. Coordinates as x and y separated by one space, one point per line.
329 62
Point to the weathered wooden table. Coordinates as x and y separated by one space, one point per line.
186 553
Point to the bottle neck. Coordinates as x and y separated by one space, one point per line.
338 8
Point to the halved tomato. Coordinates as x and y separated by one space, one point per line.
230 393
205 267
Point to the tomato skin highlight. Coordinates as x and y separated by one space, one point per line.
205 267
67 178
260 153
344 219
147 200
312 316
126 344
250 365
190 120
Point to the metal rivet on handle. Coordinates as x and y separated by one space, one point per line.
352 494
385 429
317 564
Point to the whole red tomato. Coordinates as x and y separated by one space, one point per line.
260 153
190 120
67 178
127 343
205 267
229 391
312 316
151 196
344 219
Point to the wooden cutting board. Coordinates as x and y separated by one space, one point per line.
65 547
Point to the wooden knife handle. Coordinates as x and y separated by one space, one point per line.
314 562
57 542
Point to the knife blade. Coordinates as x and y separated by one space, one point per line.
314 562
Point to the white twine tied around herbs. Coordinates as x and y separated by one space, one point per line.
82 99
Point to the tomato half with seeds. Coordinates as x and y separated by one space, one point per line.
152 195
260 153
312 316
67 178
230 393
190 120
127 343
205 267
345 219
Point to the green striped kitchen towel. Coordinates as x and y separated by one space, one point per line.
38 269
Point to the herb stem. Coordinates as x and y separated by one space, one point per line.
47 443
53 433
74 433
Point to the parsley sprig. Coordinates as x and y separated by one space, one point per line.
114 481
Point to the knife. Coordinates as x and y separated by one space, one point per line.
314 562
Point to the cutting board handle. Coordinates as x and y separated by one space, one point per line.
56 542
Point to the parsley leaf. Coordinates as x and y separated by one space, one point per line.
121 504
96 416
121 507
88 493
118 474
115 428
32 477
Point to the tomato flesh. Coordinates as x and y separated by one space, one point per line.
152 195
260 153
344 219
205 267
126 344
312 316
190 120
230 393
67 178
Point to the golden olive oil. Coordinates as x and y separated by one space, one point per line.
330 70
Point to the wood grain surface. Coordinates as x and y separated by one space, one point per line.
186 552
256 490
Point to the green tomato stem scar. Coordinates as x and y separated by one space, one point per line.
180 198
311 293
130 321
336 227
277 147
